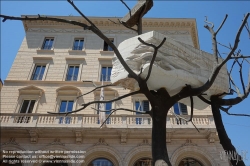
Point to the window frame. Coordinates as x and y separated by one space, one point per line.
40 61
70 65
34 71
27 109
83 46
107 46
23 97
105 66
44 41
181 112
74 62
140 120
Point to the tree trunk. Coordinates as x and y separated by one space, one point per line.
160 107
230 150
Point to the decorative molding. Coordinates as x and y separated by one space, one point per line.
144 142
189 143
78 137
57 141
101 141
168 137
12 141
211 137
147 23
123 135
74 58
42 58
33 136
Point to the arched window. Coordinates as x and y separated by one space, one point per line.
143 162
101 162
189 162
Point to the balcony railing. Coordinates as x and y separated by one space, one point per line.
92 121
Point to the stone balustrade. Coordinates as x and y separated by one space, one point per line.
92 121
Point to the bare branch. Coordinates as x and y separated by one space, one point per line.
191 116
76 8
45 18
204 100
121 109
221 24
154 55
114 110
95 89
180 117
212 25
197 91
126 7
108 101
248 29
226 111
85 105
102 36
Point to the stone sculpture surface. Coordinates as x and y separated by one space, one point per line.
176 65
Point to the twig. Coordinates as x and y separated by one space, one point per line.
154 55
221 24
226 111
95 89
127 7
114 110
212 25
96 102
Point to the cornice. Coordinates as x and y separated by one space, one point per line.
103 23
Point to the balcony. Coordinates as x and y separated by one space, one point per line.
92 121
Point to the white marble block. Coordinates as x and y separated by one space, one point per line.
176 65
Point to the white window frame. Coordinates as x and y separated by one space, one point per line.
61 98
78 38
79 67
40 61
73 62
52 47
27 97
34 69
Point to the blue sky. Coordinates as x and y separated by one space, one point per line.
238 128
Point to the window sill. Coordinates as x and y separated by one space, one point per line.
77 52
40 51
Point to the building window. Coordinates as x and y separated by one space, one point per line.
180 109
105 74
27 106
48 43
141 106
107 107
101 162
106 47
72 73
78 44
66 106
38 72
